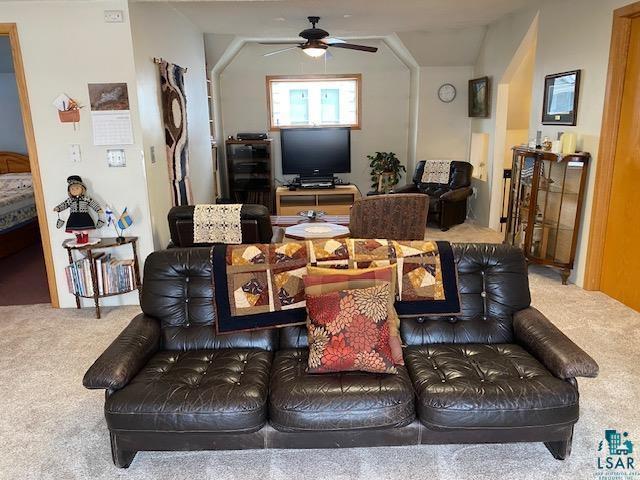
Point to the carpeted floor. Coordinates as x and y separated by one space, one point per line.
52 428
22 269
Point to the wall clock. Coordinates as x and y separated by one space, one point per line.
446 93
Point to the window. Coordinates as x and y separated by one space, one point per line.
314 100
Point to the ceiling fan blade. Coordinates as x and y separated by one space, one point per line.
283 42
332 40
279 51
351 46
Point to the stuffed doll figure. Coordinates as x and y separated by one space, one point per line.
80 222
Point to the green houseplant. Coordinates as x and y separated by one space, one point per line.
386 171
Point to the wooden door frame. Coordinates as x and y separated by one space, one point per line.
11 30
618 52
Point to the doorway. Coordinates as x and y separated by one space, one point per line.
613 260
513 113
26 266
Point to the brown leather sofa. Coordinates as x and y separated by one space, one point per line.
255 223
447 201
497 372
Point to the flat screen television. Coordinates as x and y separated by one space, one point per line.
315 151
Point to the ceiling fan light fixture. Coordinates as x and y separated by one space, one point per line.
315 51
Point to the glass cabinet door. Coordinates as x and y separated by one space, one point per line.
521 188
557 188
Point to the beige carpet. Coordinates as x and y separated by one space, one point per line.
52 428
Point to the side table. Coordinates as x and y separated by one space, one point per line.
106 242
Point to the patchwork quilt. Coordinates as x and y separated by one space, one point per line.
261 285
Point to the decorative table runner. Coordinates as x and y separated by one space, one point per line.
436 171
260 286
217 224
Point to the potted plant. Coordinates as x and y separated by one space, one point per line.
386 171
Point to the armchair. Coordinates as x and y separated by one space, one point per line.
405 217
447 202
255 223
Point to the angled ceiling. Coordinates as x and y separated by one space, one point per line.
285 18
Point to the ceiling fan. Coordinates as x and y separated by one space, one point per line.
317 42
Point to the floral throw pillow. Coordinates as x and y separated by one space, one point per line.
349 330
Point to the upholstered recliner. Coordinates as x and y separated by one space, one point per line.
447 201
255 222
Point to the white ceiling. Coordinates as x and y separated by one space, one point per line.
346 18
6 60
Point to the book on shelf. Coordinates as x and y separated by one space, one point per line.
112 275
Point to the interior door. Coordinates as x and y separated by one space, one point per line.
621 257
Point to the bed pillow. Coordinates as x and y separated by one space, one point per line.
15 181
349 331
324 280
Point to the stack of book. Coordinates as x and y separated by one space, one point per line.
113 275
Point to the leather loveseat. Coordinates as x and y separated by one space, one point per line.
497 372
447 201
255 223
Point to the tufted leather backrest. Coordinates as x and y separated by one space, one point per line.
493 284
178 291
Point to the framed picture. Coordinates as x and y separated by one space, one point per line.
560 105
479 96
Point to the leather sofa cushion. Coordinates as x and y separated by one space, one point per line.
487 386
493 284
299 401
200 390
178 291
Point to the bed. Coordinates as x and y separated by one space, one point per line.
18 217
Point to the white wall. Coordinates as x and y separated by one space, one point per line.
385 102
65 45
560 47
158 31
501 42
11 130
443 128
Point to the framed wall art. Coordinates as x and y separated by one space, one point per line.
479 96
560 105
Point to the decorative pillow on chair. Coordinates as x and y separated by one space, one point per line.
349 330
324 280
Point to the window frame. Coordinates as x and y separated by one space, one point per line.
316 78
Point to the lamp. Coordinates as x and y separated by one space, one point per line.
314 49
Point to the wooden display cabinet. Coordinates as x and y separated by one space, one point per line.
545 205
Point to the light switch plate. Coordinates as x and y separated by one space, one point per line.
152 151
116 158
113 16
74 153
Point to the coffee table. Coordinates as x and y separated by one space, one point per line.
288 220
316 230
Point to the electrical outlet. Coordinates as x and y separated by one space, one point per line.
113 16
152 153
74 153
116 158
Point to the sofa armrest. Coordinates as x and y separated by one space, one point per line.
408 188
457 195
553 348
124 358
278 235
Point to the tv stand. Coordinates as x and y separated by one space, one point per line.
332 201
